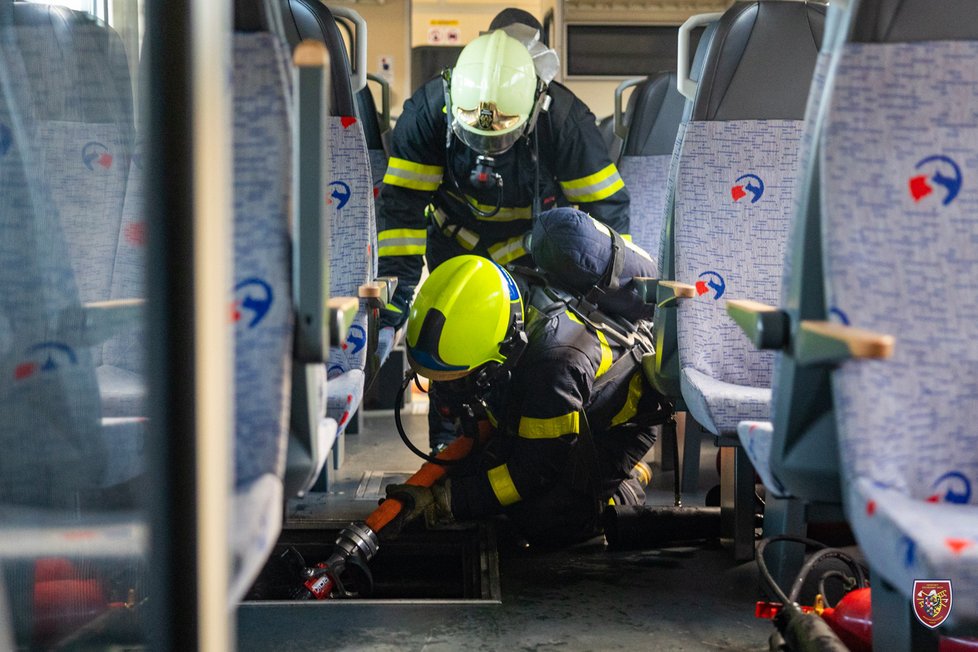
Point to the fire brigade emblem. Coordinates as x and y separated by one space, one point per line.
486 109
932 601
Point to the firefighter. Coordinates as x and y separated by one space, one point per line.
570 409
480 150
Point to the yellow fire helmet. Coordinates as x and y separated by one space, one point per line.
493 88
465 313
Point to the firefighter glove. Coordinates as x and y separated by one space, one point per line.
433 503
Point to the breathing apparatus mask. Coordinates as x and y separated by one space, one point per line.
493 97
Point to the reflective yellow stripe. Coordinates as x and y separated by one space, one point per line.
504 214
532 428
594 187
402 242
606 357
508 250
626 237
416 176
502 485
466 238
630 408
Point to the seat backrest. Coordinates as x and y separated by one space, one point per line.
85 126
262 308
736 179
48 392
899 160
353 251
654 112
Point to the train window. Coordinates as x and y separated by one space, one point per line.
620 50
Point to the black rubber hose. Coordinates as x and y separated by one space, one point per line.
762 564
645 526
398 401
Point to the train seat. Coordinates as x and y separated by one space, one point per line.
84 111
905 75
734 191
353 239
654 112
53 449
664 373
262 309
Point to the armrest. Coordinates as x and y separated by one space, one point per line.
823 342
93 323
765 326
668 292
646 286
378 293
342 311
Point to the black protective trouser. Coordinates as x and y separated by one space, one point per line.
571 510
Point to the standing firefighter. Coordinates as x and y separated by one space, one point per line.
569 407
479 151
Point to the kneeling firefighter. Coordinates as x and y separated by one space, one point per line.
570 410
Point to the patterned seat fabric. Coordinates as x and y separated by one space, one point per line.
352 259
121 375
646 178
735 185
262 303
51 435
655 110
82 91
756 438
900 150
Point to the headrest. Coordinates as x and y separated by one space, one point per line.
896 21
655 110
761 60
306 19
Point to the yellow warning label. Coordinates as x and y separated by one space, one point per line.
444 22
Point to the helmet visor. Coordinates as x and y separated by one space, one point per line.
488 143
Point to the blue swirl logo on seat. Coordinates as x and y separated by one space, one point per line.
711 281
45 357
252 295
357 338
839 316
95 153
939 170
341 193
752 185
6 139
952 487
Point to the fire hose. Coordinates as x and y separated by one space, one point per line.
359 541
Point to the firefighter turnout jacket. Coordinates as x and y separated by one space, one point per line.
418 196
566 392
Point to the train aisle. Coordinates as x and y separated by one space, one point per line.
582 598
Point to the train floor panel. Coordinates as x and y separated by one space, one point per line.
586 597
